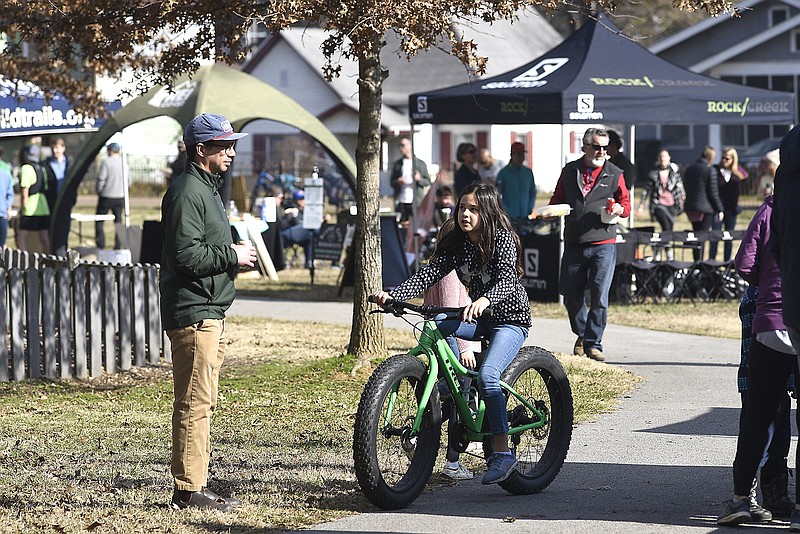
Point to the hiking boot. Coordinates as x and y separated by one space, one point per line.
596 354
775 492
794 522
199 499
459 472
578 348
500 466
736 513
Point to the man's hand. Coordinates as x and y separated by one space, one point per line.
720 216
245 253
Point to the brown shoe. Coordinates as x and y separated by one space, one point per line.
233 501
201 499
578 348
596 354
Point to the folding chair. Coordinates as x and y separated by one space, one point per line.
646 281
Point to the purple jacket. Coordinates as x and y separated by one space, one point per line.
755 263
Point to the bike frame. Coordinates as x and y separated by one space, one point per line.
435 348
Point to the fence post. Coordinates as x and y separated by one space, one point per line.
95 330
153 315
139 331
110 318
125 317
79 297
32 317
3 324
64 307
17 313
49 317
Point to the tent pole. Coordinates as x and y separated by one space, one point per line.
561 223
632 157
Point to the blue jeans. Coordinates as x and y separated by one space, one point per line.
728 222
504 343
587 267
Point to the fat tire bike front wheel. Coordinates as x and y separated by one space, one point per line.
392 466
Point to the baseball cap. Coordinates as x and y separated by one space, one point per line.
210 127
517 147
299 195
113 147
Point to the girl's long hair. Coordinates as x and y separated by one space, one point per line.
492 219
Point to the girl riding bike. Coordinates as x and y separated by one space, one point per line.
485 253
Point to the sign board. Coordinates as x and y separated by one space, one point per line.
315 202
540 261
330 242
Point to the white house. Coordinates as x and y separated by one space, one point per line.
291 61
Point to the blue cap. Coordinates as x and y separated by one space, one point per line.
113 147
299 195
210 127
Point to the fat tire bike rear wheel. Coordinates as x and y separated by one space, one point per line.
392 467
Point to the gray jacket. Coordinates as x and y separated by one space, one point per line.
109 178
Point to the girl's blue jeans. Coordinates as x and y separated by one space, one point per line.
505 341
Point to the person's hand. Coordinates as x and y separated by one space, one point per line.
381 297
476 309
720 216
417 176
468 359
617 209
292 211
245 253
641 209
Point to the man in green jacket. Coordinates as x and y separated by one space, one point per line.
198 265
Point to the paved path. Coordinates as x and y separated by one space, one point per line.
661 463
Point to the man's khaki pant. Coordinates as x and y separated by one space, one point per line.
197 355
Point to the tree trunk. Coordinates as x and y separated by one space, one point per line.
366 337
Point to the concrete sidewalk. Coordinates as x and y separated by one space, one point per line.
661 463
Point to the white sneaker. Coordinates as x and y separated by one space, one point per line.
457 473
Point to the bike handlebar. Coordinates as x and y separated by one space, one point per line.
397 307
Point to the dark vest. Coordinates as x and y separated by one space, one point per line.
583 224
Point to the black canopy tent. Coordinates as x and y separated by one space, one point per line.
597 75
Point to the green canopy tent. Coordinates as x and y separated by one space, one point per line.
240 97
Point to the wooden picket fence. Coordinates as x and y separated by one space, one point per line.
68 319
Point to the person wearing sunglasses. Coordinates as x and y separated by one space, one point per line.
595 190
199 262
467 156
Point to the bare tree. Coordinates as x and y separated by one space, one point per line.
61 44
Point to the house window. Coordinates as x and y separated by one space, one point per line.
257 33
675 135
795 41
732 135
778 15
762 82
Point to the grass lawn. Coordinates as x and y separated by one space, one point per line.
95 455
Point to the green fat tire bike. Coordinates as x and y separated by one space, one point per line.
398 424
